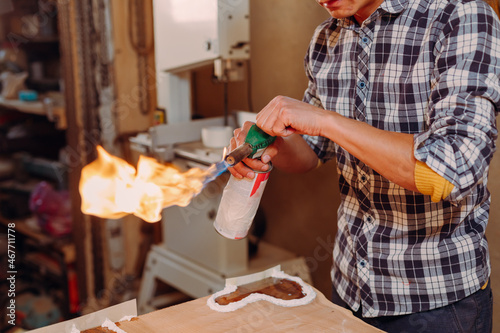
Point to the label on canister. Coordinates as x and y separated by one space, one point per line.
239 203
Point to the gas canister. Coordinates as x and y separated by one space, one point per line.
241 197
239 203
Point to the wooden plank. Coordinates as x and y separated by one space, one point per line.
195 316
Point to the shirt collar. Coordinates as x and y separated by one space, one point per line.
388 6
394 6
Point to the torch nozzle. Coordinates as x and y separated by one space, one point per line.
239 154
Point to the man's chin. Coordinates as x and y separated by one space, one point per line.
340 14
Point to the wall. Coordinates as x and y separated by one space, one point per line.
493 235
134 72
300 209
493 229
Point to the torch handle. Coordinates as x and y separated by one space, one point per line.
255 141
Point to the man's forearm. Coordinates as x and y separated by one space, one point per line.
388 153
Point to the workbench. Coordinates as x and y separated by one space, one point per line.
195 316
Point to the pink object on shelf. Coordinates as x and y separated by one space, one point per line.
52 209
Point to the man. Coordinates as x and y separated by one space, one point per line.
404 94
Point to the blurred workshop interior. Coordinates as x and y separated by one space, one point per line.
80 74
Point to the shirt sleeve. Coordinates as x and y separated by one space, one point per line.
465 98
323 147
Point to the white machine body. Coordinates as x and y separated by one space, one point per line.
198 31
191 34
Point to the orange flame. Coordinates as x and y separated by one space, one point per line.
112 188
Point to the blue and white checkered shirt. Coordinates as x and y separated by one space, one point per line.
429 68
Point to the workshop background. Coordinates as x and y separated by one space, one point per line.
86 70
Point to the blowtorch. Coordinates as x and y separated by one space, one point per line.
255 143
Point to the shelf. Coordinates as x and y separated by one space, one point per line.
63 245
46 259
56 113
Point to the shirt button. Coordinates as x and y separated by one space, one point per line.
361 84
364 178
365 39
369 219
362 264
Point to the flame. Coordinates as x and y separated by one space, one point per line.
112 188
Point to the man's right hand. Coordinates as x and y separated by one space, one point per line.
248 165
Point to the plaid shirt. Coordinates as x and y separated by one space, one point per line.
430 68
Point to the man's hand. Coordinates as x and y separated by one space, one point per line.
248 165
284 116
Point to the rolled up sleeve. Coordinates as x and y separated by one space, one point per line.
461 129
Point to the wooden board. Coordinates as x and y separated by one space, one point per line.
195 316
